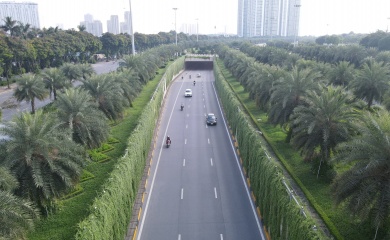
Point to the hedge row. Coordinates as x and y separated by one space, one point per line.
280 215
111 212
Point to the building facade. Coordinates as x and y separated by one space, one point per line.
24 12
268 18
94 27
113 24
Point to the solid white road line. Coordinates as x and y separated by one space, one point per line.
242 175
141 224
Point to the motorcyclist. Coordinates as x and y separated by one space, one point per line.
182 106
168 140
194 82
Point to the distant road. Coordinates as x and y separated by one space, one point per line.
196 189
9 113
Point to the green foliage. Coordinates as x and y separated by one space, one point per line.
107 219
280 215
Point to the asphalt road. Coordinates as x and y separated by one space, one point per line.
9 113
196 189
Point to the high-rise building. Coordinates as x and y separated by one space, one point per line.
94 27
24 12
268 18
113 24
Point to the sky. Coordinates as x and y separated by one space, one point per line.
318 17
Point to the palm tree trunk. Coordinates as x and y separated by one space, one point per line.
33 106
319 168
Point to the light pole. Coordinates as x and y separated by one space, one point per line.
131 29
175 25
197 28
387 29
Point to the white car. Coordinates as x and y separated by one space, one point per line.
188 93
198 75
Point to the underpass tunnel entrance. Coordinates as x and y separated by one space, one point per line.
199 63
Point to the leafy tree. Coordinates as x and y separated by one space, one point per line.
43 157
323 123
78 112
54 80
16 215
30 86
364 188
371 82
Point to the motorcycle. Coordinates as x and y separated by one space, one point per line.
181 107
194 83
168 143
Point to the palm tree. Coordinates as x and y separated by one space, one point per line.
129 83
78 112
86 70
71 71
371 81
30 86
140 65
365 186
10 26
341 74
81 28
326 121
16 215
290 92
54 80
45 160
107 94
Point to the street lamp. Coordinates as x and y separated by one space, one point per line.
175 24
131 29
197 28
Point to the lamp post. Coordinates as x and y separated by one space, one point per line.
197 28
131 29
387 29
175 25
296 25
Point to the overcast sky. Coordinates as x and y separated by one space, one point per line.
318 17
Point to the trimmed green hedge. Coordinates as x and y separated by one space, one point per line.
280 215
112 210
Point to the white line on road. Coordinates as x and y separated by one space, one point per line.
186 125
141 225
181 196
188 115
259 225
185 141
208 140
204 106
179 237
221 235
211 161
184 162
215 192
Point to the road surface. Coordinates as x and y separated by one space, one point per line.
196 189
6 94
